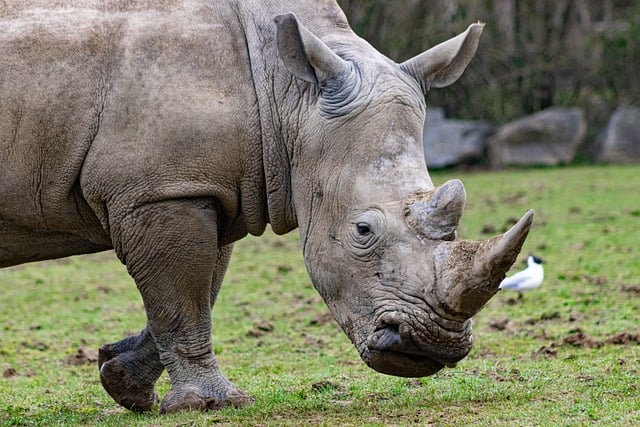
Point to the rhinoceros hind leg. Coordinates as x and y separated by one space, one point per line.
129 369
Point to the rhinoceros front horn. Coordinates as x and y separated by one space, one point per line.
501 251
473 270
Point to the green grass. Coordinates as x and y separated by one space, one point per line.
546 360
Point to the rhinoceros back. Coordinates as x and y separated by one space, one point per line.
100 100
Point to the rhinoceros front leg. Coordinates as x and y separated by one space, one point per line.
130 367
171 251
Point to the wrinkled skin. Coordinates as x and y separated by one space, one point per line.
169 130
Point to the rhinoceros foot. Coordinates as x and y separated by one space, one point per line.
192 398
129 369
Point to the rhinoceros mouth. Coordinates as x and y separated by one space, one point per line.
387 352
401 364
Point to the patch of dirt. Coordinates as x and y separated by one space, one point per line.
554 315
577 246
283 268
632 289
104 289
503 375
325 385
277 244
350 362
82 296
9 373
575 316
12 372
545 352
489 229
321 319
260 328
623 338
503 324
35 345
596 280
84 356
575 210
414 382
513 301
580 339
518 197
603 218
312 341
550 316
621 361
515 375
542 335
576 337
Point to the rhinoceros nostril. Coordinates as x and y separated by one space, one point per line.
384 338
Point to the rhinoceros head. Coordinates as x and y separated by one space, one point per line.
379 240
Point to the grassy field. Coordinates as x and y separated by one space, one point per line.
567 354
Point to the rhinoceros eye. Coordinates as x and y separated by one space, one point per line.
363 228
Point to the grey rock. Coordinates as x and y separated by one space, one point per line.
619 141
549 137
453 142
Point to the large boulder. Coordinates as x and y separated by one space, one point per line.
453 142
619 141
549 137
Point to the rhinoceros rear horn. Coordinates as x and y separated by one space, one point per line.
443 64
305 55
438 217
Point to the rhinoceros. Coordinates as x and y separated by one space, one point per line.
166 130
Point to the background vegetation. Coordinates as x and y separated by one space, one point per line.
567 354
533 53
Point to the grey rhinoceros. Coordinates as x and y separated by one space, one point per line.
168 129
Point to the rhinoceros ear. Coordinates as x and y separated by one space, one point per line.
304 54
444 64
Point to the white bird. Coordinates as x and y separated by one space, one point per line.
527 279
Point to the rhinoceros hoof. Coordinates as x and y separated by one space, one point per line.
188 398
125 386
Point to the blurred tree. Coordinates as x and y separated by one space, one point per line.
533 54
